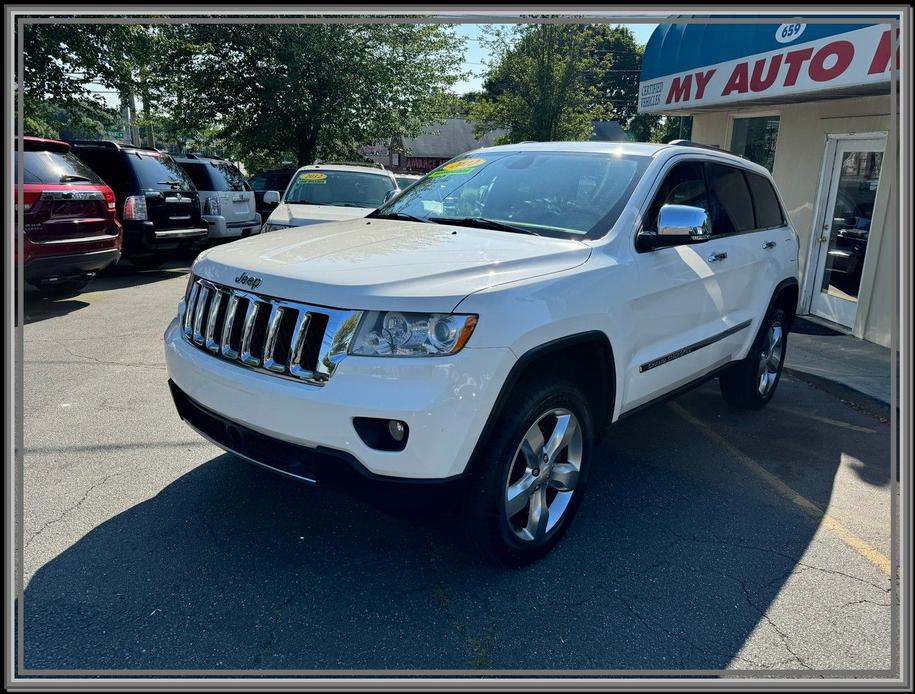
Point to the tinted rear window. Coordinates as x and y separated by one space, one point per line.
768 209
729 198
57 167
208 175
157 171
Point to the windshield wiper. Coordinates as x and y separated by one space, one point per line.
482 223
398 215
172 183
74 177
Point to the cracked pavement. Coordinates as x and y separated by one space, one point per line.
147 547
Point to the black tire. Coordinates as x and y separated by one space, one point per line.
63 289
147 262
492 532
740 383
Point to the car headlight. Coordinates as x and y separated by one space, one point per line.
396 334
268 226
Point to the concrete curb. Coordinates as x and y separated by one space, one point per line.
868 403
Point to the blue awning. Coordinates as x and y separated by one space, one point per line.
702 64
676 48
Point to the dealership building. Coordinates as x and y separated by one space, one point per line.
812 103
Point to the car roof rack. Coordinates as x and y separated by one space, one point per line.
371 164
201 155
109 144
690 143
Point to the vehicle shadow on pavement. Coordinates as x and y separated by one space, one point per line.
38 309
673 560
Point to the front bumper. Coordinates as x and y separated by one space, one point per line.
444 401
220 229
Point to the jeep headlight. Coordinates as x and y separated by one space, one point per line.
396 334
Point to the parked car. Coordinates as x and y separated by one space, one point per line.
272 179
157 203
329 192
70 230
227 200
404 181
477 334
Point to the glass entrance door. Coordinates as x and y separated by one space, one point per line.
845 227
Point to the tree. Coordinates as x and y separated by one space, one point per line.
275 90
535 87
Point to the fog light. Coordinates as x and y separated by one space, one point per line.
382 434
397 430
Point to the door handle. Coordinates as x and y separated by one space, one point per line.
769 244
715 257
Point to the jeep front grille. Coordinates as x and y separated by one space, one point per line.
282 338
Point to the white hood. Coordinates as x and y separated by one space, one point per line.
386 264
303 215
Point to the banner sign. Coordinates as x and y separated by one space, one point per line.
849 59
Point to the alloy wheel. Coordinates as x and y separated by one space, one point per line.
544 474
771 358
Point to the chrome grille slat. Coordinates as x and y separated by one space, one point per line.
189 310
212 313
273 329
227 325
296 345
198 313
247 332
212 318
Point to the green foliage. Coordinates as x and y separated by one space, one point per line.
549 82
259 93
534 85
305 90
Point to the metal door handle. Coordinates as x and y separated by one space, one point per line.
714 257
769 244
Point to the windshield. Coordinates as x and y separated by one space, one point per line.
342 188
561 194
158 171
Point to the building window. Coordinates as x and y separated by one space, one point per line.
754 139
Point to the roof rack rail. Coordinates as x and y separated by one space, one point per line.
372 164
110 144
690 143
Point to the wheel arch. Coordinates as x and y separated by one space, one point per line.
586 359
786 296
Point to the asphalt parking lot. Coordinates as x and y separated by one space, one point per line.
707 540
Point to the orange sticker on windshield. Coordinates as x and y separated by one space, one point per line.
313 178
461 166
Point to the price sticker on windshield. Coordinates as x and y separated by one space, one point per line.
461 166
312 178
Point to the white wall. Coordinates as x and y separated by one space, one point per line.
801 144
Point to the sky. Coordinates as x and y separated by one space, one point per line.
476 54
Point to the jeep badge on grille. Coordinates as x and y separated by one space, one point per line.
245 278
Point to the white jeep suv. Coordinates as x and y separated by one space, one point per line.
478 333
329 192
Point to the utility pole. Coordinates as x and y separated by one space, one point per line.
134 130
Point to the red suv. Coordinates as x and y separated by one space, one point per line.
70 228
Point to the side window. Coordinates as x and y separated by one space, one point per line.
729 197
258 182
765 202
684 185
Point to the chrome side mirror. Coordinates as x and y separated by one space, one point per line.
272 197
677 225
680 220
